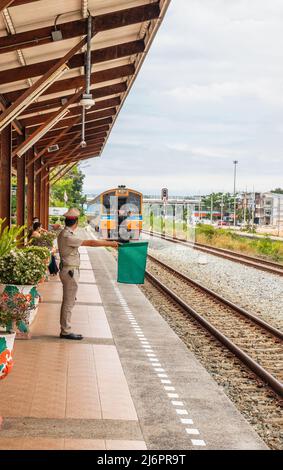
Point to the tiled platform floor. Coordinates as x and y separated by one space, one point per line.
130 384
58 380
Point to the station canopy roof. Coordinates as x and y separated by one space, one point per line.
42 70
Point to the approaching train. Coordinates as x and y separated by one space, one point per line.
117 214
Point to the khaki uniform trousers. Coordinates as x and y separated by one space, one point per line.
70 289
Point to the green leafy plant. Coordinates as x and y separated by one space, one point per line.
41 251
10 237
21 268
46 239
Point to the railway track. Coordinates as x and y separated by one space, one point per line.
257 263
256 343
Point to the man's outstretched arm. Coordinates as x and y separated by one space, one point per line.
110 243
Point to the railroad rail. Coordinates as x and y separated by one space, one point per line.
257 263
256 343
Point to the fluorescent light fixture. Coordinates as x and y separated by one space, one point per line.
37 135
24 101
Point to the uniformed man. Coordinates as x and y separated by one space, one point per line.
68 245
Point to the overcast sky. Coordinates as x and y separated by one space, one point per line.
209 92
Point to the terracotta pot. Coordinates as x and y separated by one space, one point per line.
6 348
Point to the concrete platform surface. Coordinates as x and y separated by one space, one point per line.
130 384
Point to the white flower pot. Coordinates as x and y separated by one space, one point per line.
6 348
23 289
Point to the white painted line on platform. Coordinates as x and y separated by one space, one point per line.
182 412
198 442
151 356
186 421
177 403
192 431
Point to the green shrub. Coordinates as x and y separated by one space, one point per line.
207 230
21 268
42 252
46 239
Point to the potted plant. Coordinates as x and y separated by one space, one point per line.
14 309
10 237
20 272
46 239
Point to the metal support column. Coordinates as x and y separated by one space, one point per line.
5 175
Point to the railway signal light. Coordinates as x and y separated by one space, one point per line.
164 194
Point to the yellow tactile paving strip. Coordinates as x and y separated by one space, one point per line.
62 379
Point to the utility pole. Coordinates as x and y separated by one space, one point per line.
211 209
253 209
279 214
222 208
199 210
235 174
245 209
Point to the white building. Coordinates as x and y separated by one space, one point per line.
269 209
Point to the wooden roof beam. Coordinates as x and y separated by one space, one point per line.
89 136
15 124
35 121
91 151
76 111
109 90
91 143
59 174
72 29
32 93
67 170
52 142
91 126
95 131
61 86
5 3
98 56
43 129
91 117
56 154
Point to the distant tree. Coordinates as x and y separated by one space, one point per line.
72 186
277 191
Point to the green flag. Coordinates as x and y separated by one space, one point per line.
132 262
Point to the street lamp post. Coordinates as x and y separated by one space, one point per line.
222 208
235 174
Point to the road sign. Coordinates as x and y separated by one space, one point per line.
57 210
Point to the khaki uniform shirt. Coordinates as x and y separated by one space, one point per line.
68 245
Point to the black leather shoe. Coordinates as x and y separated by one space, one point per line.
71 336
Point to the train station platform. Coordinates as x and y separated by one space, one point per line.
129 384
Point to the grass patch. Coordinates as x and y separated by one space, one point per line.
264 248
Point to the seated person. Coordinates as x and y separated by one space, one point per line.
36 230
